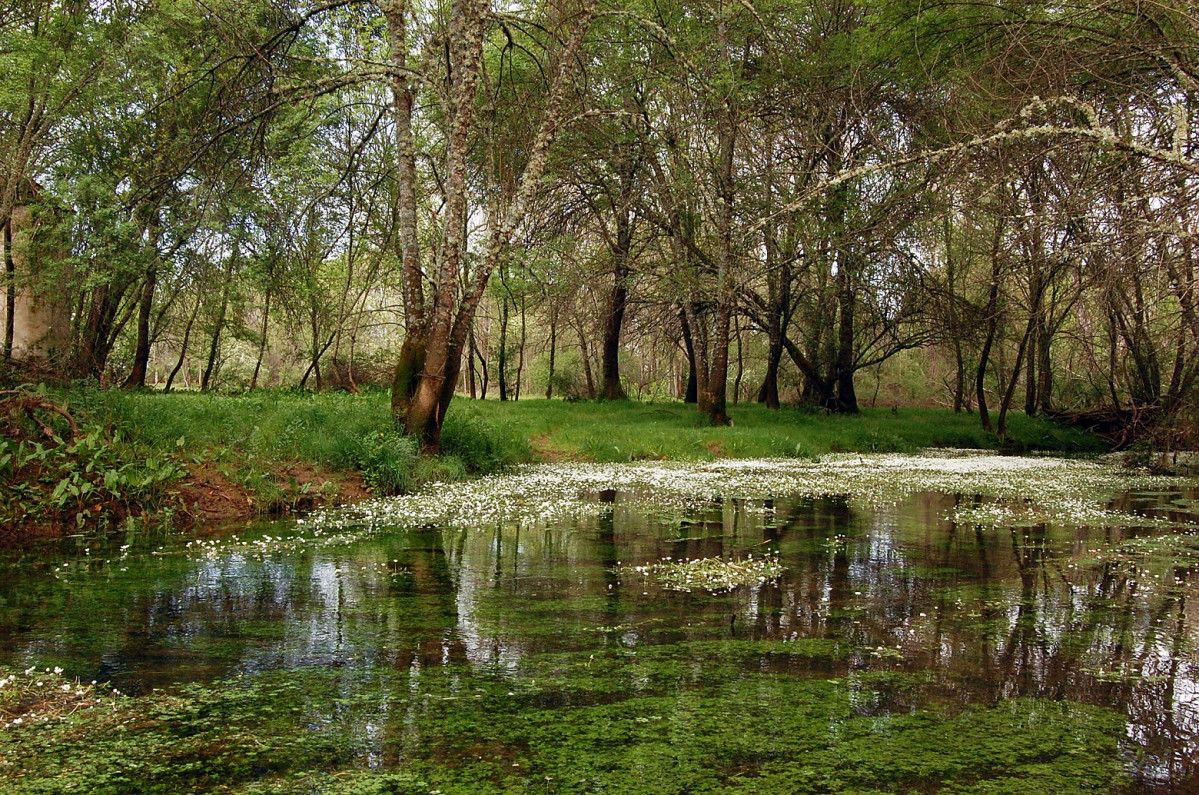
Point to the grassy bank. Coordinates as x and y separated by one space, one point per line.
189 458
634 431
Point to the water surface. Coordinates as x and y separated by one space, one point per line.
900 649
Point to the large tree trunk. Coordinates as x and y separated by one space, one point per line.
443 335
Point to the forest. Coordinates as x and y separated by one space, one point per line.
599 396
988 207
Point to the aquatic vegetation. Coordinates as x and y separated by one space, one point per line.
760 625
709 574
1007 491
290 731
34 696
547 493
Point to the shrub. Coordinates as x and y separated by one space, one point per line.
388 461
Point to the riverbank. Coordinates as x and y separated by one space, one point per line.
111 459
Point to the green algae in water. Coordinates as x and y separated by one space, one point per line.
898 648
282 732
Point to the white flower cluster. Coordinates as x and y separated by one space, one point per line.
1013 489
710 574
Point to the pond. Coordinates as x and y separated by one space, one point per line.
947 622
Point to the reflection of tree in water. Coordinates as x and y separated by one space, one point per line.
992 613
426 603
1031 627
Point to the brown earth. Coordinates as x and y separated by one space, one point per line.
209 497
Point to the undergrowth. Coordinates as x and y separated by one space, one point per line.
54 471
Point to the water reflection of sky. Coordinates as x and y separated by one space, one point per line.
988 613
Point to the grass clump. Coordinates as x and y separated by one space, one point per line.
388 461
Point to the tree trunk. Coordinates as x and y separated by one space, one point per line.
847 398
590 381
486 376
503 363
691 395
618 301
768 393
1009 393
992 312
1045 367
443 336
959 381
714 383
266 314
10 290
740 363
1030 378
214 348
471 372
141 351
617 305
520 359
187 333
549 385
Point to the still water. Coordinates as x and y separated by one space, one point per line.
899 649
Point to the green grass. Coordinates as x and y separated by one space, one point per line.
354 432
624 431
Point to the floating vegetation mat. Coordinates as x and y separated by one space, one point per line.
1009 491
549 492
40 695
710 574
